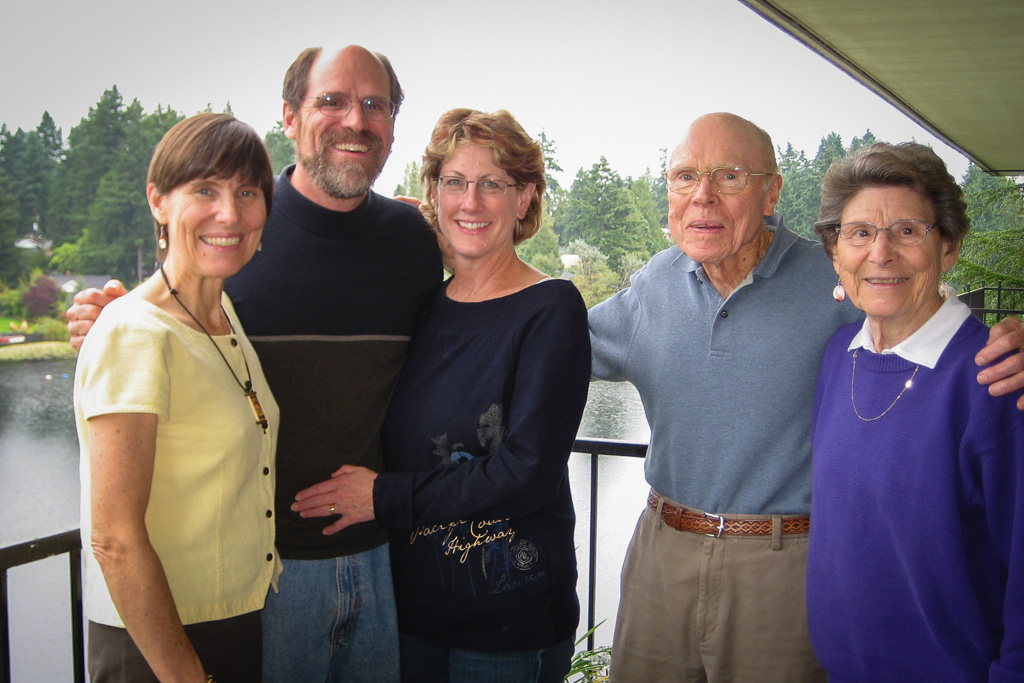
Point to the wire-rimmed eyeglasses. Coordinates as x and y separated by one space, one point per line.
340 104
905 233
725 179
488 187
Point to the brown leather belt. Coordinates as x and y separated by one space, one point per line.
716 525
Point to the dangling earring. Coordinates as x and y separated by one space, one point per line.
259 246
161 241
839 292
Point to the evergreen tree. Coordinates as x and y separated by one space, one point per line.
29 161
93 147
541 250
554 194
990 257
645 195
117 232
280 147
993 202
410 185
801 195
659 186
868 139
601 210
12 267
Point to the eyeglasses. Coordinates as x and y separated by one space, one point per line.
903 233
338 104
725 180
488 187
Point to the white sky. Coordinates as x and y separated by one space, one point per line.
572 69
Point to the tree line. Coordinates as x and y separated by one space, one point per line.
82 199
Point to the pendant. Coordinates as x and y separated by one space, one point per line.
257 409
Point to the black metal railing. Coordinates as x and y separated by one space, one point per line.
992 303
595 448
69 543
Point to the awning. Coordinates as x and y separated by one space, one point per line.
954 66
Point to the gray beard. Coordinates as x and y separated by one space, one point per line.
344 180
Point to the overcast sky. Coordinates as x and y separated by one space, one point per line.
620 79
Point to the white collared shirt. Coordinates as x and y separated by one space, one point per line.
926 344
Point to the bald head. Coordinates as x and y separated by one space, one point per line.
723 129
317 60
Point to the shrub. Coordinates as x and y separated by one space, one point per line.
52 329
42 297
10 304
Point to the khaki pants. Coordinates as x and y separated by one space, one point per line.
694 608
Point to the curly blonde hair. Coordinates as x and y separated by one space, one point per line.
514 151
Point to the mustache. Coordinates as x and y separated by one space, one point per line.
364 137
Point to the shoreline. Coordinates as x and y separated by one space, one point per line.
47 350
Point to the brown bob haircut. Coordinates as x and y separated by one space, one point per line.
514 151
296 79
908 164
210 145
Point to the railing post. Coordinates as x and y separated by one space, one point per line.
592 592
5 632
32 551
77 616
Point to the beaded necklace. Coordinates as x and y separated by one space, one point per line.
250 393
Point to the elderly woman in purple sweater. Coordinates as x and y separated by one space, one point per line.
916 560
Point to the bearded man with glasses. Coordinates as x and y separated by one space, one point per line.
723 337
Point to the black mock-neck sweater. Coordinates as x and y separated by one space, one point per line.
329 304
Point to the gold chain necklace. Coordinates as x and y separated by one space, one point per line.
250 393
853 379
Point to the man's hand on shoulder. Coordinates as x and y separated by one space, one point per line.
1007 376
86 308
411 201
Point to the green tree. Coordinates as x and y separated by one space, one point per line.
12 267
993 202
280 147
868 139
93 147
990 257
29 159
630 264
541 250
659 186
117 230
601 210
646 190
554 193
591 274
801 193
410 185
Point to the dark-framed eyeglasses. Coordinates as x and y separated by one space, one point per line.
488 187
905 233
340 104
725 179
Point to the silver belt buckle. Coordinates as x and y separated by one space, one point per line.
717 519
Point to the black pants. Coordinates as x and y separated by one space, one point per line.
230 649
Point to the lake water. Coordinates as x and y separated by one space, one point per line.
39 496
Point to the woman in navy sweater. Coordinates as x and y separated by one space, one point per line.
480 429
916 561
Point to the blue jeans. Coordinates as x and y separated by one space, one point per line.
333 620
425 663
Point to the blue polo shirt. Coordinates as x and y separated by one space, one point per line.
727 384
